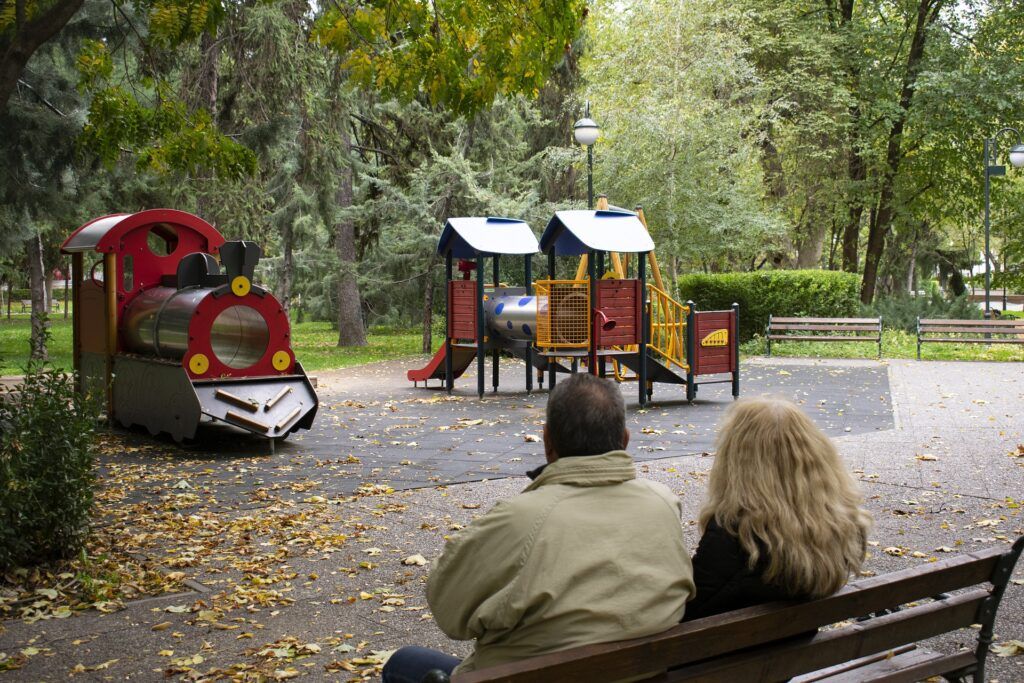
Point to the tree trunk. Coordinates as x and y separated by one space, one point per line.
37 286
911 289
856 167
287 268
809 246
350 318
48 288
856 171
927 10
428 309
18 44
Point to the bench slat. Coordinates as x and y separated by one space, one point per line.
972 340
833 671
825 328
781 661
820 337
749 627
849 321
972 323
908 667
973 330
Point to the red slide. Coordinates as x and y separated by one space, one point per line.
462 356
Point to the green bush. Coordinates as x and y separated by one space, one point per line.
902 312
817 293
46 470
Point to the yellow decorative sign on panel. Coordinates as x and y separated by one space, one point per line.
716 338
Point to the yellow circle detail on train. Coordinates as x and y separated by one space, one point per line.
199 364
240 285
281 360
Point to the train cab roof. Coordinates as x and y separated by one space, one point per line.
472 237
572 233
107 234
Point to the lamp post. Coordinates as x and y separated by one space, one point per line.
1016 156
586 132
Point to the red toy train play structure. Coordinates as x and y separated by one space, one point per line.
167 337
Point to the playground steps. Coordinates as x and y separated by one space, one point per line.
657 371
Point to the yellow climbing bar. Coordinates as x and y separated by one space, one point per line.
668 327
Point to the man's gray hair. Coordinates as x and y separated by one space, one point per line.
585 416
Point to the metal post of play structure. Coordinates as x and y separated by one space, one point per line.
592 271
736 350
449 379
645 323
528 274
551 359
495 353
691 350
480 326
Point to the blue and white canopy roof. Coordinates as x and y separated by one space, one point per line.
475 236
571 233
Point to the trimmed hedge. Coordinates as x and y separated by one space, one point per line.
817 293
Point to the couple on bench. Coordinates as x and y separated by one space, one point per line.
589 553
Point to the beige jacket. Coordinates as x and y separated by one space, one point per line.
587 553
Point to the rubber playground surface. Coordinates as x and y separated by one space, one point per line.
374 427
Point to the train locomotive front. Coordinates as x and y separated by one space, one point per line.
168 335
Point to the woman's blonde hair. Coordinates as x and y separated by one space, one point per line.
779 485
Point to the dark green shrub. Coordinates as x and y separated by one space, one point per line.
46 470
902 312
818 293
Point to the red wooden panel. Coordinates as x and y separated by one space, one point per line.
462 305
619 301
711 355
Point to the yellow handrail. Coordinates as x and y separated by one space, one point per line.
668 327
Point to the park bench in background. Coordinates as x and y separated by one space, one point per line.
824 330
777 641
1007 331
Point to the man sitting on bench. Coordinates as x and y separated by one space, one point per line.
587 553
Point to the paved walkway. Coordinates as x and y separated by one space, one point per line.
292 564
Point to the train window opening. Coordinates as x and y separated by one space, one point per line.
127 274
162 239
239 336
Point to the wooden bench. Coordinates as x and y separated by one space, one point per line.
824 329
1010 331
777 641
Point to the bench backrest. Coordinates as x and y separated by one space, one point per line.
828 321
716 648
937 325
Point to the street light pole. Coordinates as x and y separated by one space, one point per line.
590 176
992 168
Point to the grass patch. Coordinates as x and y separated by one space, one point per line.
895 344
314 345
14 334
